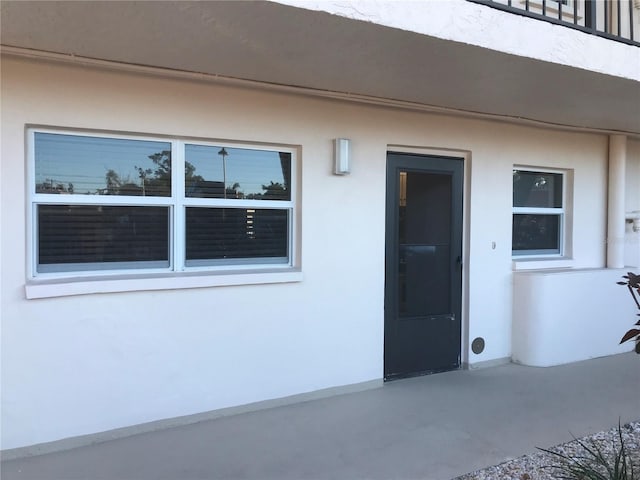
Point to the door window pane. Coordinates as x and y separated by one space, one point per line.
424 239
72 235
76 164
226 172
424 278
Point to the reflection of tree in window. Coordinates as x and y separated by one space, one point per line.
237 173
154 182
51 186
273 191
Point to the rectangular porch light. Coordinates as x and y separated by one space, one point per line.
342 156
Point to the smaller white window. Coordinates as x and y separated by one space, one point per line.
539 217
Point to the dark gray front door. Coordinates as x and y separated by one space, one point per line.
423 284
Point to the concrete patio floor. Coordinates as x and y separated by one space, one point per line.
435 427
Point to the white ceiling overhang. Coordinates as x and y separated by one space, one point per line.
284 45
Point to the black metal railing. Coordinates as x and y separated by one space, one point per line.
617 20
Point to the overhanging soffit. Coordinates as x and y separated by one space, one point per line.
283 45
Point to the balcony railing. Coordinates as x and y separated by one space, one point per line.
613 19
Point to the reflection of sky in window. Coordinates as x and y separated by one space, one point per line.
249 168
85 161
537 189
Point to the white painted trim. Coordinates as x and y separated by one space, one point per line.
238 82
178 223
30 178
540 263
94 438
616 199
496 362
172 281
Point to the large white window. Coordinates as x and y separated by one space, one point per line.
104 203
539 224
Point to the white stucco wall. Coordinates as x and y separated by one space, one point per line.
82 364
569 315
466 22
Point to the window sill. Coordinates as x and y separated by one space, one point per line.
86 286
541 263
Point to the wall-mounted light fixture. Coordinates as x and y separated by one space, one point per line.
342 156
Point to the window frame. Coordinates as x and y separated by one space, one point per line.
561 212
177 205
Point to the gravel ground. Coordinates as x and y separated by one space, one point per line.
540 466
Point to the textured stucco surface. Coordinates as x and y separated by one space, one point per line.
466 22
453 56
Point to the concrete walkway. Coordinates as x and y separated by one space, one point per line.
435 427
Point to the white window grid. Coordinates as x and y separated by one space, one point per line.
560 212
177 205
